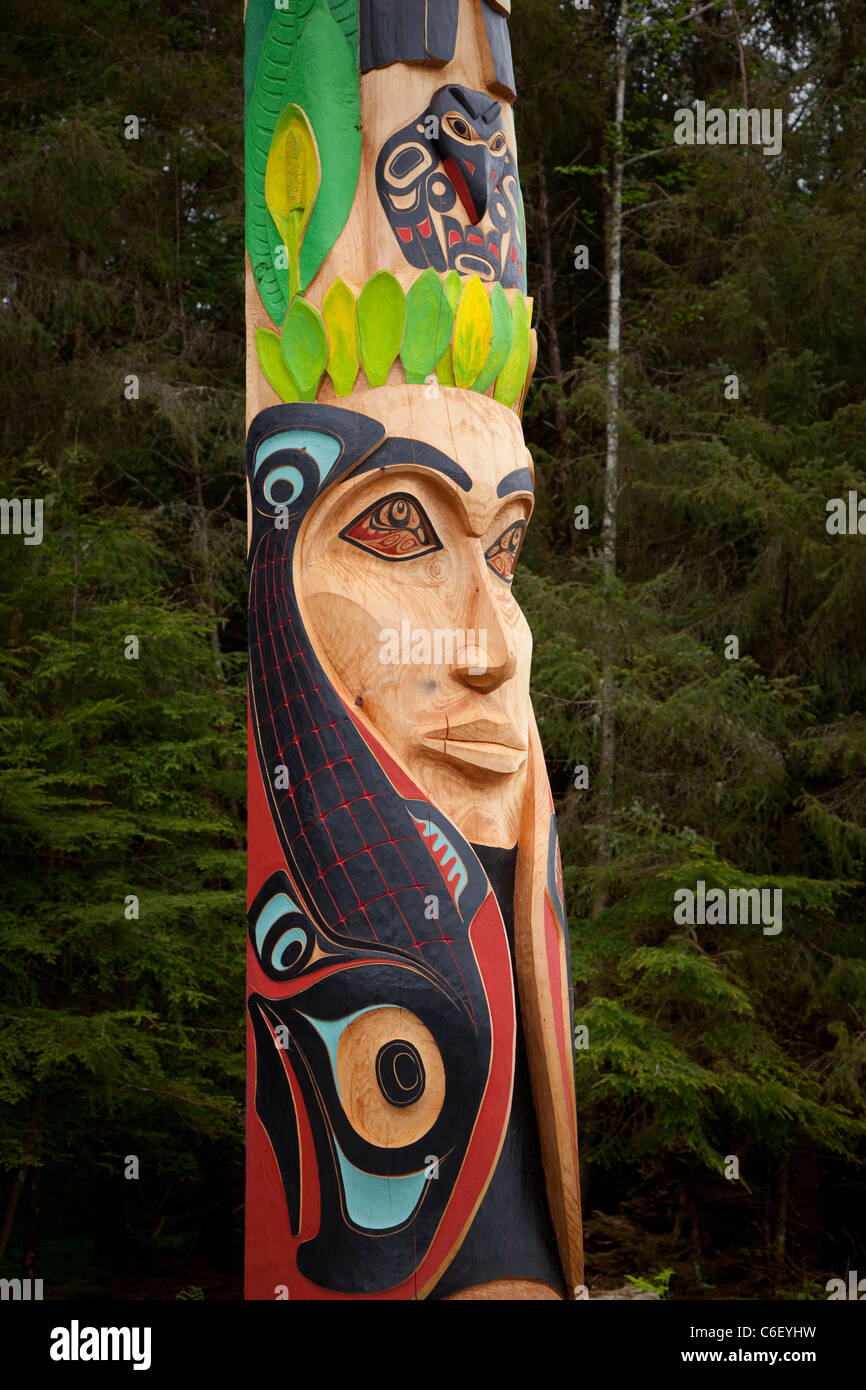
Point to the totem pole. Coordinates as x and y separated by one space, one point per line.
411 1116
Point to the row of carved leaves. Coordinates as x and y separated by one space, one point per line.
453 329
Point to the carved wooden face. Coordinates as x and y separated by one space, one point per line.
403 574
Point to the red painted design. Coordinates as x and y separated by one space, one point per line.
461 187
473 236
269 1234
424 227
453 237
404 233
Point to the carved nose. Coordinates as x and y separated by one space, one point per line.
486 658
479 672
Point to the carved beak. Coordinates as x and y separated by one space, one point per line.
470 175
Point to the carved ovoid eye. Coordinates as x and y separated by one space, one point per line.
397 528
497 143
462 129
501 556
390 1076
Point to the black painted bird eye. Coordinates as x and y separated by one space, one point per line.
497 143
456 124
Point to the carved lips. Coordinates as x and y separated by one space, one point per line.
494 745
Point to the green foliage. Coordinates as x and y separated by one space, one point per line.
420 325
381 319
122 777
653 1283
706 1041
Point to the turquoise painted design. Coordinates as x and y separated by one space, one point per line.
323 448
294 934
275 907
287 474
374 1202
280 905
377 1203
430 830
330 1030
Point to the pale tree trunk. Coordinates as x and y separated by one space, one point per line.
611 472
548 305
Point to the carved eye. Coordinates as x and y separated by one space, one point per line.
397 528
497 143
462 129
391 1076
501 556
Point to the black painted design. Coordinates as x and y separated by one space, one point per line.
519 480
407 31
512 1235
400 1072
500 49
414 453
448 185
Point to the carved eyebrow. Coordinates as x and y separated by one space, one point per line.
520 480
397 452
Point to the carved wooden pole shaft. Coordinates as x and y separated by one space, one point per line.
411 1128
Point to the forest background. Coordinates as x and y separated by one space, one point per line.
122 1036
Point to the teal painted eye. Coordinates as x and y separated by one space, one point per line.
281 478
280 956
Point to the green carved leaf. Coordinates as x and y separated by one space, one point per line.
309 58
473 333
429 319
291 184
453 291
338 311
304 347
271 363
503 332
510 382
381 320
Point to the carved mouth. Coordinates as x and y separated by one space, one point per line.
491 744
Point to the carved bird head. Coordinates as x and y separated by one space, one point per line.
471 144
